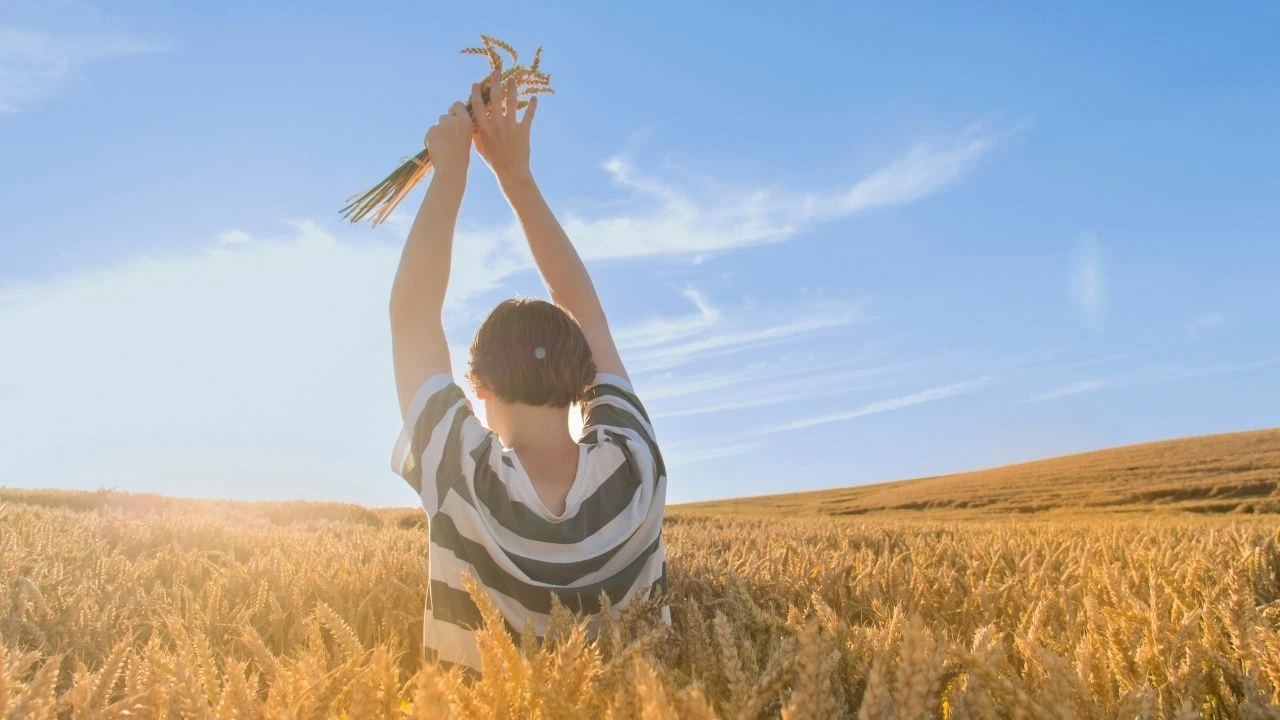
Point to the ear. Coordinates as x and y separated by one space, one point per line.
481 393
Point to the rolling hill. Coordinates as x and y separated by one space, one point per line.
1229 473
1211 474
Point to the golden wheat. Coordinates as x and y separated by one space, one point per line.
184 611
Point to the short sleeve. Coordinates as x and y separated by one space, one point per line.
612 412
439 431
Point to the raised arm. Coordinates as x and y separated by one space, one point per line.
418 345
503 141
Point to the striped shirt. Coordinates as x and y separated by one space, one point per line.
485 517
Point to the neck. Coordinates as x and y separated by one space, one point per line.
531 429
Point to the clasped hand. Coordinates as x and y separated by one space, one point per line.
501 137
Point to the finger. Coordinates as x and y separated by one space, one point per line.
458 109
529 112
495 94
511 99
477 107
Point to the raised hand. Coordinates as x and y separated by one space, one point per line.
501 138
449 141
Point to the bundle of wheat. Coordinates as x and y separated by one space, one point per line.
383 198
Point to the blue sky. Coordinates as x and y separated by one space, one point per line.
839 244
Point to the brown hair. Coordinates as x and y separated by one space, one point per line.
531 352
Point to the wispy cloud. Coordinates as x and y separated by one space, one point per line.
740 336
680 456
780 383
1203 323
924 170
661 330
1088 281
1156 374
682 221
1088 362
234 237
924 396
1075 388
33 64
1150 375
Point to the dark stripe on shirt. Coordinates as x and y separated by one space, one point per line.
456 607
661 584
562 573
449 472
607 389
621 440
611 498
614 416
536 598
434 411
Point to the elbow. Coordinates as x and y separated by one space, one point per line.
402 301
396 303
410 303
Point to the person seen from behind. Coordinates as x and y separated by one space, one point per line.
518 503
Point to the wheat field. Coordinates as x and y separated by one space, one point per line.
120 606
1228 473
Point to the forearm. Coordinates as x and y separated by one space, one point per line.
423 275
562 270
558 261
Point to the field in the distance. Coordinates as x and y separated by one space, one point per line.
1229 473
130 606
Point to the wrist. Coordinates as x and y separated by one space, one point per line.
450 175
515 179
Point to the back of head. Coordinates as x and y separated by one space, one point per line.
531 352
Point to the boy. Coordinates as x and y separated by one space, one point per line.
521 505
